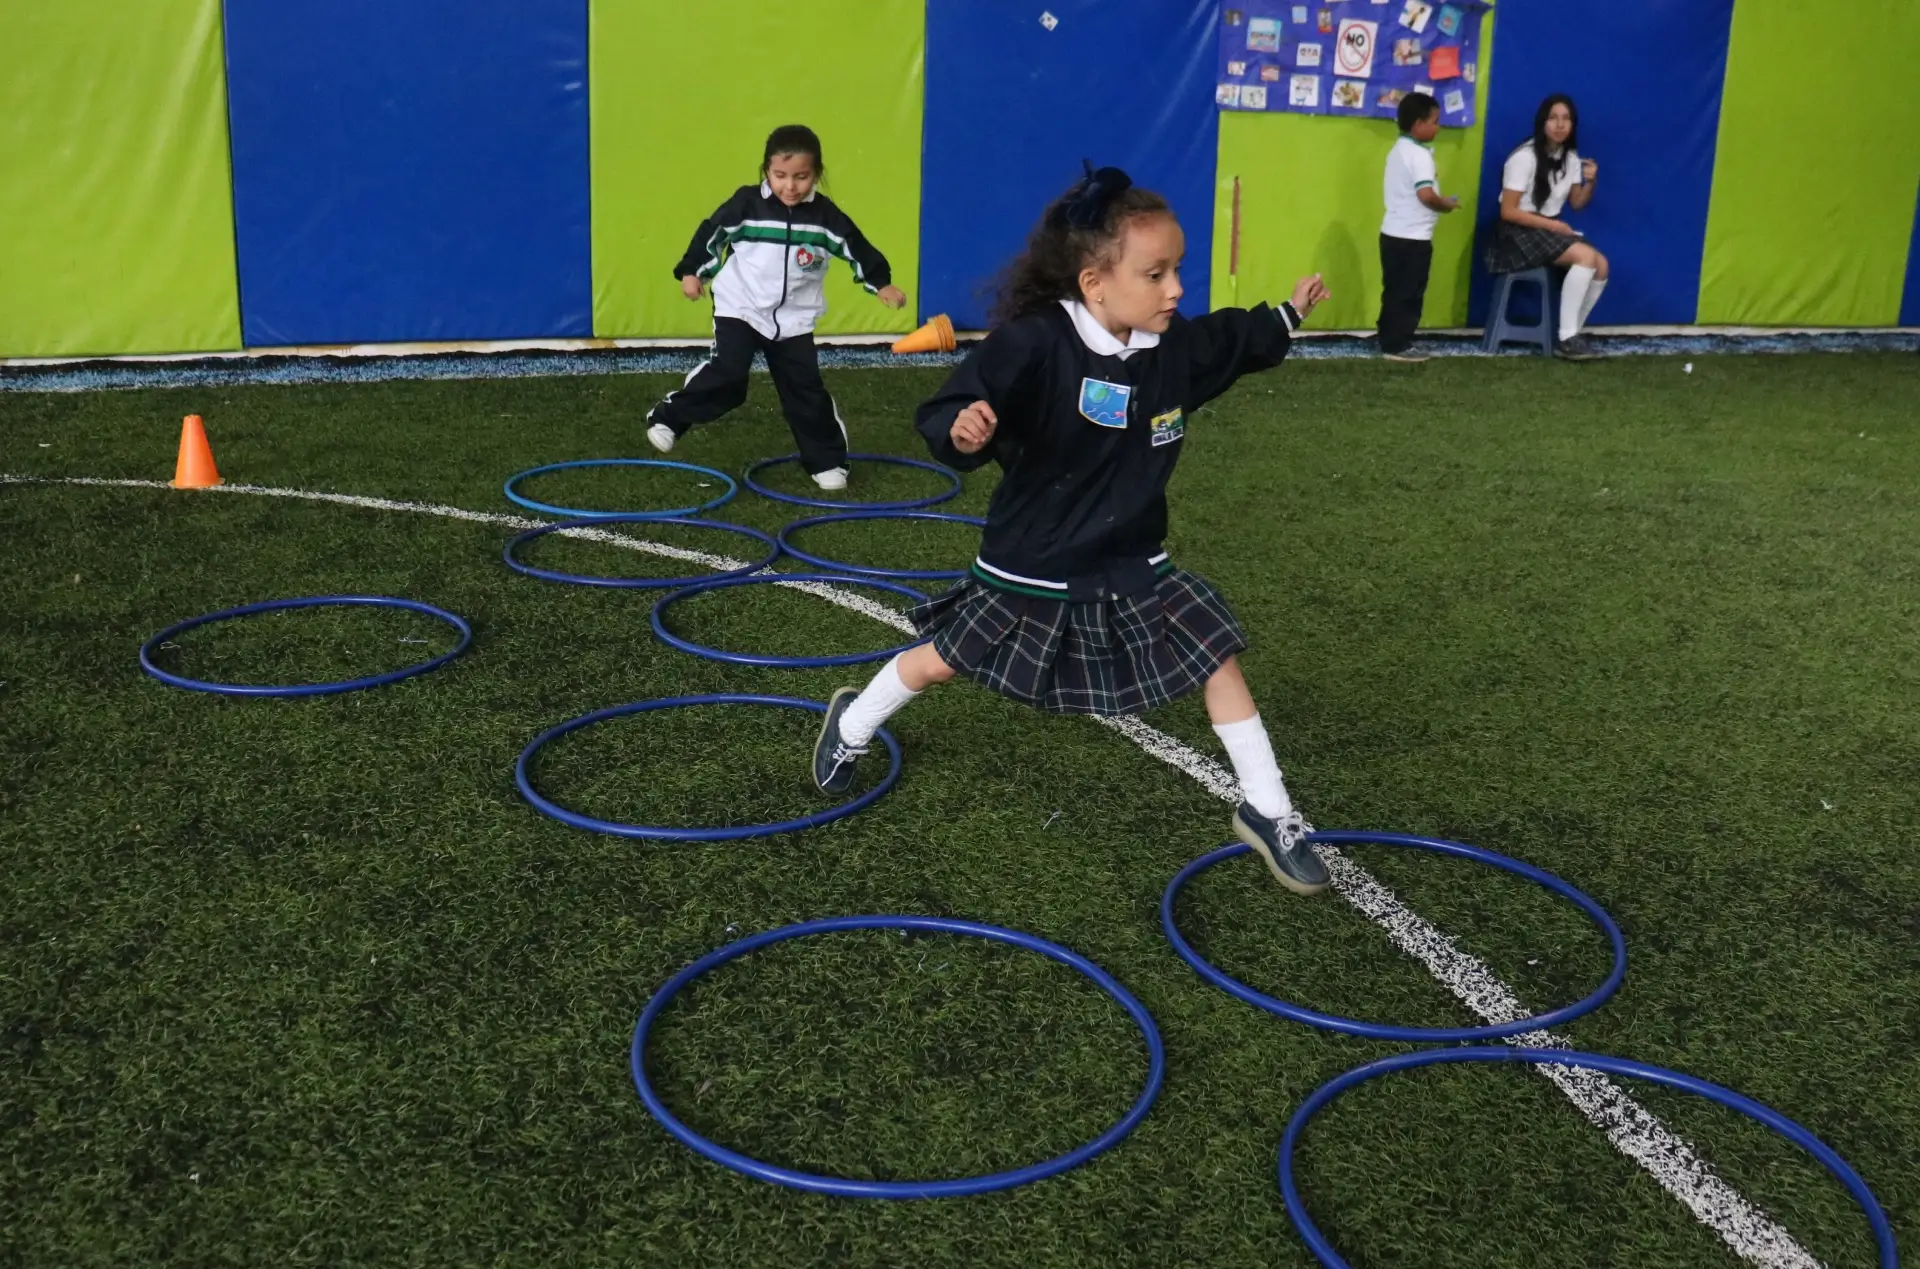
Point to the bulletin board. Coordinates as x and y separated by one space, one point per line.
1352 58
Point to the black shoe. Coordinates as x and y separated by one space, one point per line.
834 758
1409 356
1579 348
1283 844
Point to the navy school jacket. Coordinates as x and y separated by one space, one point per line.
1087 439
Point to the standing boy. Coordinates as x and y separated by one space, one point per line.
1414 206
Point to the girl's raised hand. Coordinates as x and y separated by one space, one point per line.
1307 293
1588 169
690 287
973 428
893 297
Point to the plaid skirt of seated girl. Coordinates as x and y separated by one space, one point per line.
1518 247
1117 656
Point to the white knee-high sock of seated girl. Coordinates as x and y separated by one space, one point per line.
1593 297
1253 762
881 699
1573 299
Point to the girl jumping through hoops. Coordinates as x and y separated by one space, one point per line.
1081 393
766 250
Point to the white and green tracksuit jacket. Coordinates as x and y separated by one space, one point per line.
768 261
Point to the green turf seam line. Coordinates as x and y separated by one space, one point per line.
1634 1131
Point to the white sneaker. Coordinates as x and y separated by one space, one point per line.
832 480
662 438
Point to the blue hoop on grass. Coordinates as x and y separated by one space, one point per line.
910 504
1381 1031
782 663
637 583
863 570
1771 1118
304 689
577 514
847 1187
592 825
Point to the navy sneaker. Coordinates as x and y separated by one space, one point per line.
1283 844
834 758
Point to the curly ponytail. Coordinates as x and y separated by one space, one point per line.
1082 227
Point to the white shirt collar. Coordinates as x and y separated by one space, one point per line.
1100 339
766 191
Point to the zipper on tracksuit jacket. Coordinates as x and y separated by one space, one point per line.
786 257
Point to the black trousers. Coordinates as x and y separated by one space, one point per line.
719 384
1405 264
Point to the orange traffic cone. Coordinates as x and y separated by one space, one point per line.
194 468
935 336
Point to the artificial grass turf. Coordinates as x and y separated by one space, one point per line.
305 981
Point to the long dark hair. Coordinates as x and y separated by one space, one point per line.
1545 168
1081 227
794 138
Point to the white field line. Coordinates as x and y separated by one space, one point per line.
1634 1131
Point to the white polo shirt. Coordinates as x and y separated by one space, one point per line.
1519 173
1409 170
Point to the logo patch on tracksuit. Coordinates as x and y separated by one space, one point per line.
1105 403
1169 427
808 259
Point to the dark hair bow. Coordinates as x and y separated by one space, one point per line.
1087 205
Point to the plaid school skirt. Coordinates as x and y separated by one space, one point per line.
1116 656
1517 247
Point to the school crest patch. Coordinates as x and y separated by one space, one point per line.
1169 427
809 258
1105 403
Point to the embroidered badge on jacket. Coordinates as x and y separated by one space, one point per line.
1105 403
1169 427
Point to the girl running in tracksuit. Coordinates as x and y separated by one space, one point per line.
766 251
1082 394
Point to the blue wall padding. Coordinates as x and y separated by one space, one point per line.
1647 77
1910 298
1012 108
410 169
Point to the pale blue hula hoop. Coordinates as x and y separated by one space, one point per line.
575 513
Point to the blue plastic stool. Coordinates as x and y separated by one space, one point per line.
1502 329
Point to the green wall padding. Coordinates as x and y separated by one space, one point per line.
116 207
1310 200
682 96
1813 186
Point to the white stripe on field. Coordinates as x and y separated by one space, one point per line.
1634 1131
720 563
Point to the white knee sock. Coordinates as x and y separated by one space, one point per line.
880 701
1573 299
1252 756
1593 297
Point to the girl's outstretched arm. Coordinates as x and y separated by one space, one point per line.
1232 342
708 250
870 268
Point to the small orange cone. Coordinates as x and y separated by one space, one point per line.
935 336
194 468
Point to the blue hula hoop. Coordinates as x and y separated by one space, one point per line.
304 689
783 663
576 513
573 527
1381 1031
830 504
649 831
1763 1114
863 570
847 1187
